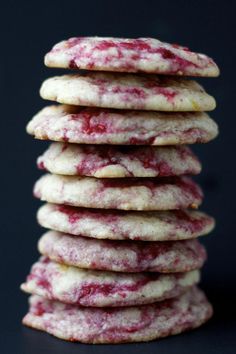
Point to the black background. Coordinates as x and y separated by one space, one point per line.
28 31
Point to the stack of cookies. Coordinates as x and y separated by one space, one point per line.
121 260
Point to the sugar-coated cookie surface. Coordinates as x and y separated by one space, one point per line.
119 325
126 194
122 256
127 91
122 225
102 126
129 55
118 161
85 287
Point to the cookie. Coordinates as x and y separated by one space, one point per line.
122 225
99 126
122 256
93 288
119 325
127 91
127 194
129 55
118 161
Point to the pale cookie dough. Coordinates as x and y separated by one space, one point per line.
122 256
122 225
102 126
93 288
127 91
118 161
129 55
126 194
119 325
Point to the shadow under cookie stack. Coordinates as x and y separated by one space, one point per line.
121 260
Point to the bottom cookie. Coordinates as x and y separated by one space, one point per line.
119 325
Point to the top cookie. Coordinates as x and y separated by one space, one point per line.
119 325
129 55
128 91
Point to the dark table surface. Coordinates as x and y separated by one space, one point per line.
28 30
